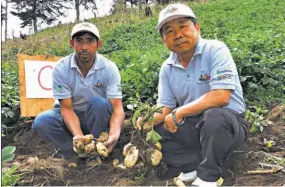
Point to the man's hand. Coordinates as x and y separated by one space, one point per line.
140 126
111 142
169 124
78 146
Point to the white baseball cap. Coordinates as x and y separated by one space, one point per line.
173 11
85 27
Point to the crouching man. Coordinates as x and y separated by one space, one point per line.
202 99
87 89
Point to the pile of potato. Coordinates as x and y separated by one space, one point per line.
86 144
131 153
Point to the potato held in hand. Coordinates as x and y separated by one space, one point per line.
89 147
102 149
153 156
78 144
132 157
103 137
87 139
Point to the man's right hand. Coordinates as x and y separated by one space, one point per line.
83 145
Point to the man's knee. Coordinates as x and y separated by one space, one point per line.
99 103
44 121
40 122
213 119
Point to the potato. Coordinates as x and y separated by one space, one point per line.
87 139
131 157
178 182
153 156
77 143
127 148
121 166
101 149
72 165
116 163
158 146
103 137
89 147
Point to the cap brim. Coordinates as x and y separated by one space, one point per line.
159 26
84 30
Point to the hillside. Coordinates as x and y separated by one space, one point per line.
254 30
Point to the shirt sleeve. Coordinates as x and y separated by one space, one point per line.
165 94
113 88
60 88
223 70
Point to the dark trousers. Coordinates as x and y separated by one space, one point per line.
202 142
51 127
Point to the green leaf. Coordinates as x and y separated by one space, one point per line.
148 136
7 157
155 137
8 150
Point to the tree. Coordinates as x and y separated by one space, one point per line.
34 12
4 16
87 4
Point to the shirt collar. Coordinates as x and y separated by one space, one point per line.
173 57
99 63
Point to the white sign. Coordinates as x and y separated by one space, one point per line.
38 75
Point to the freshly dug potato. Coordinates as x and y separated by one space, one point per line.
178 182
116 164
127 148
72 165
103 137
78 144
102 149
153 156
87 139
89 147
131 157
121 166
158 146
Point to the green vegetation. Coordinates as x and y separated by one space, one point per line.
257 119
254 30
9 178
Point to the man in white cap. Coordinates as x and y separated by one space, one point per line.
87 90
202 99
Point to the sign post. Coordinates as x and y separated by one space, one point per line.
35 76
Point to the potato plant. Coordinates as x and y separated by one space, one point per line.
144 144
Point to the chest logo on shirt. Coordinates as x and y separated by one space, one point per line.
204 78
99 84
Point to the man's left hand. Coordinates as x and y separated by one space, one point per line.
169 124
111 142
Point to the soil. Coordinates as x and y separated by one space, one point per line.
48 170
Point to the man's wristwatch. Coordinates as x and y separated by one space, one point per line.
174 117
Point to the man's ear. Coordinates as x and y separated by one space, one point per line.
71 42
163 41
197 27
99 44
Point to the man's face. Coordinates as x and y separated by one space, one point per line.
85 47
180 35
